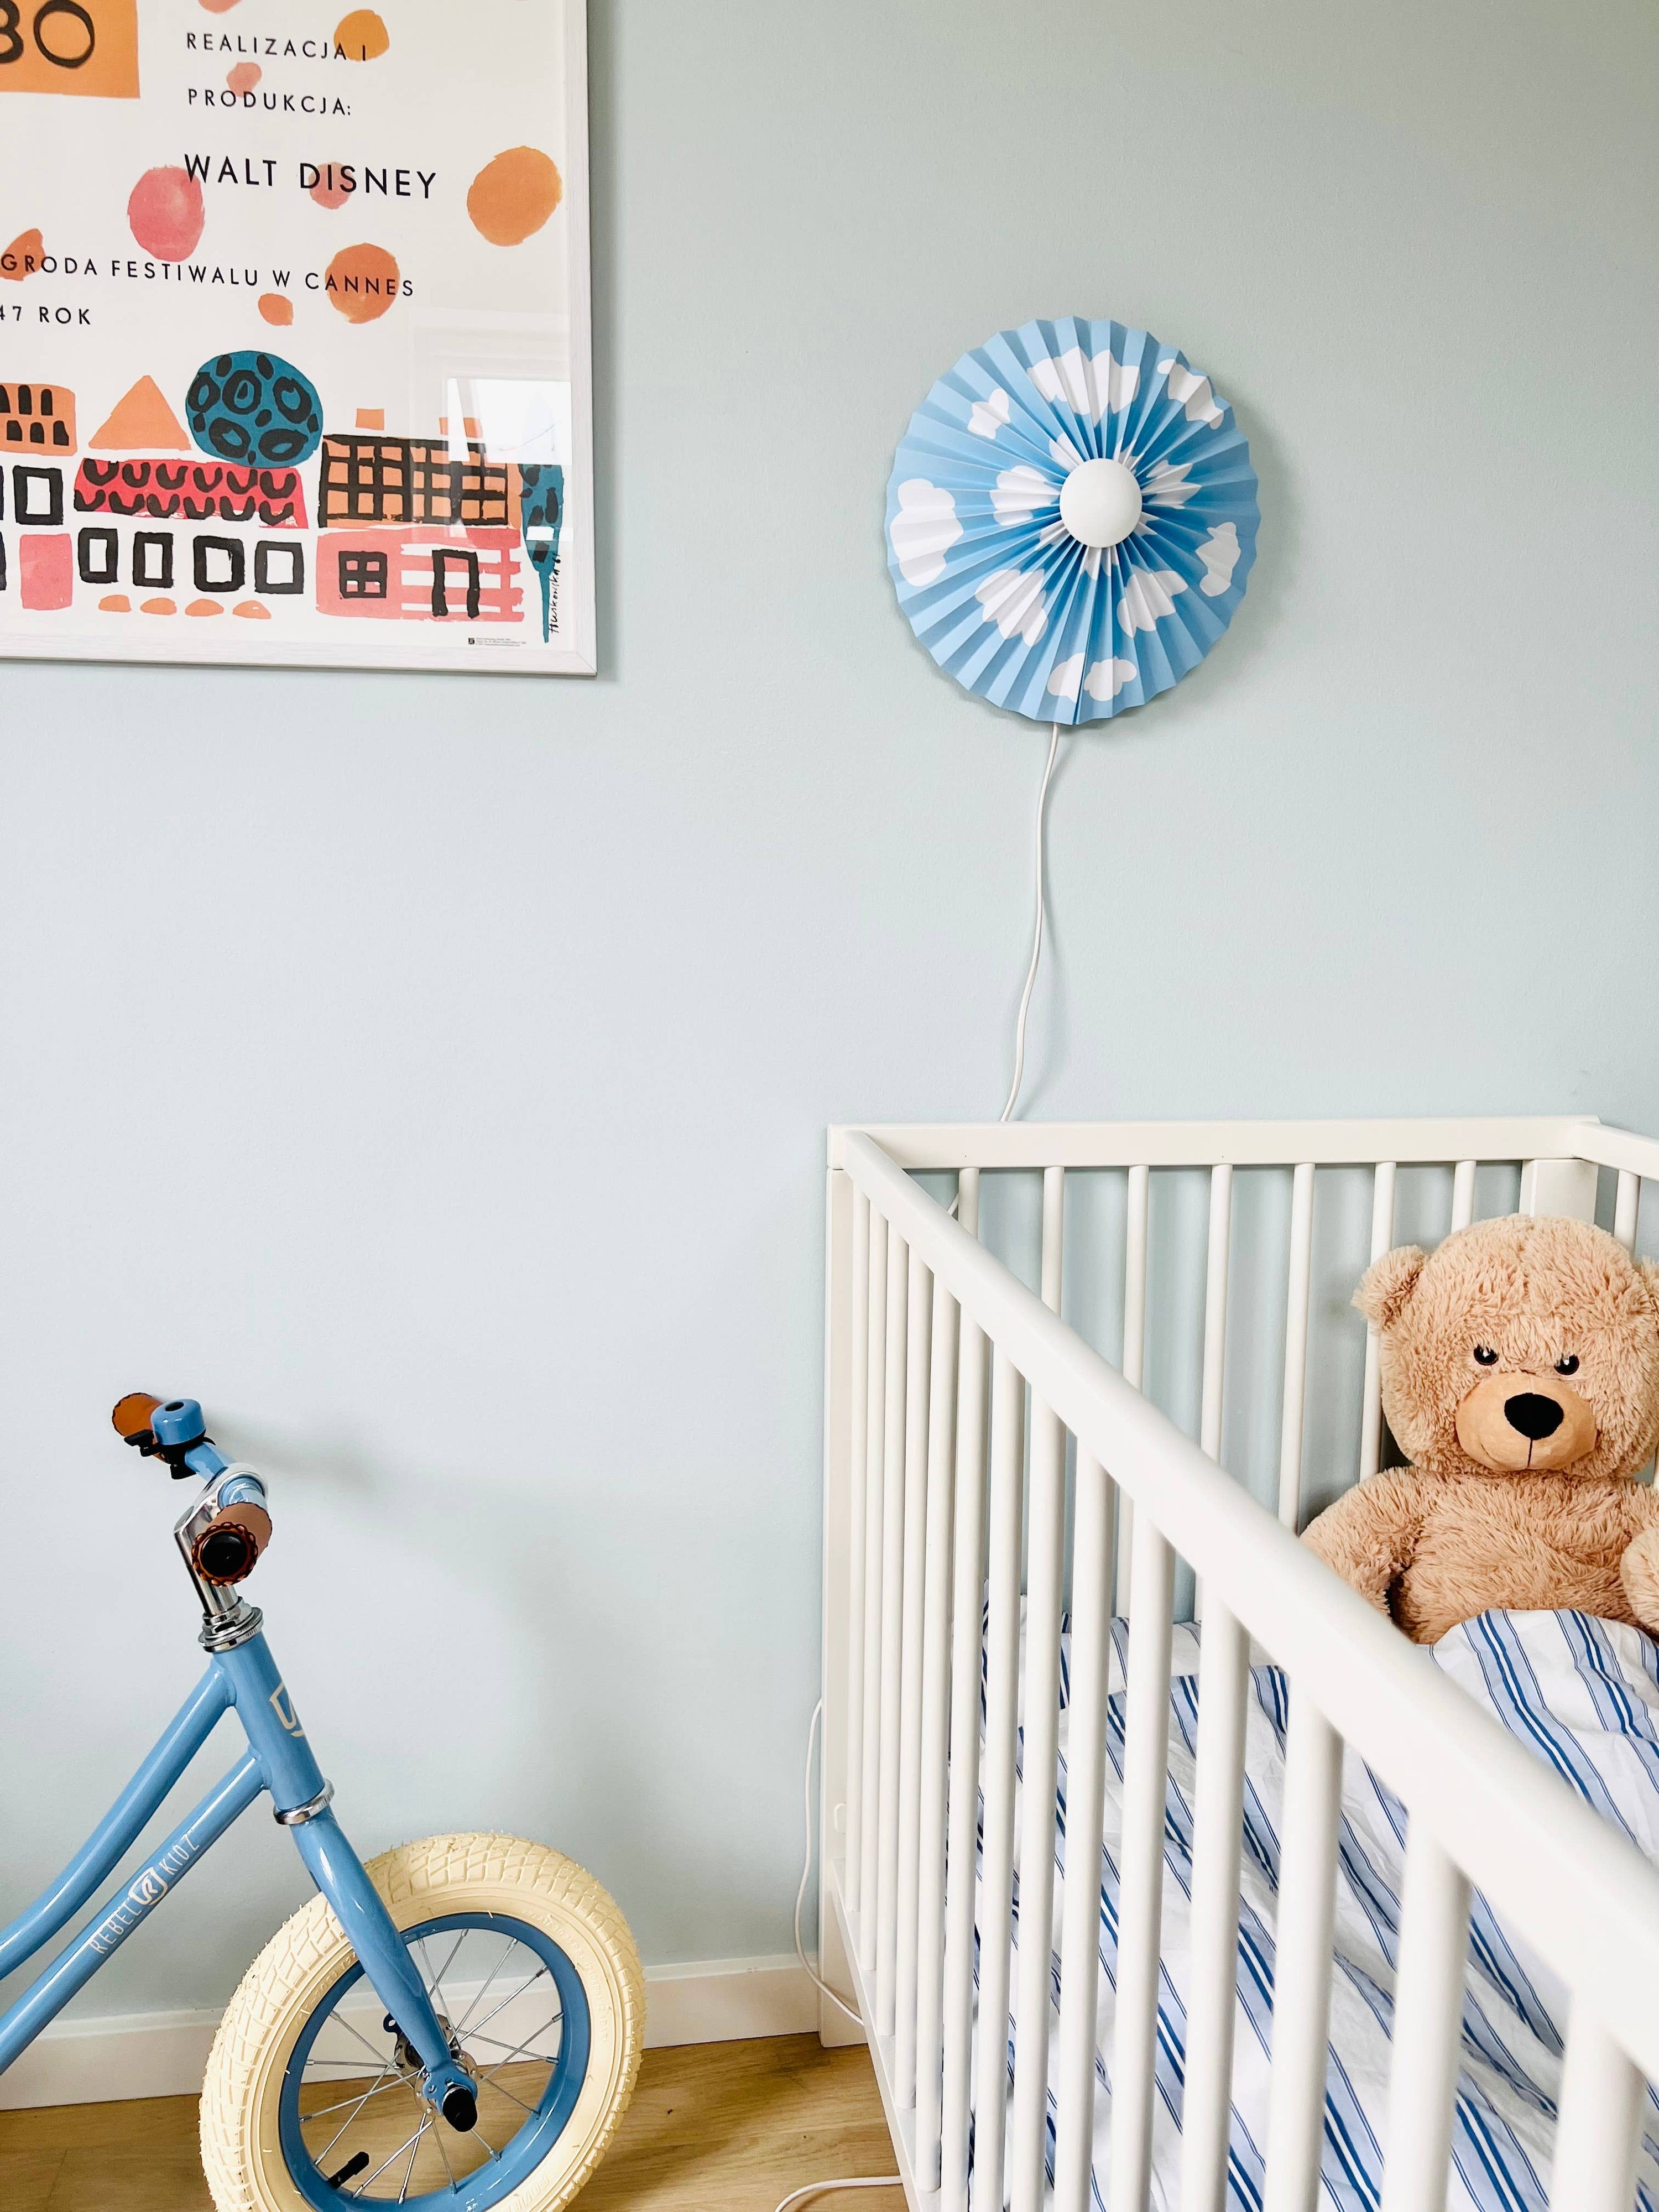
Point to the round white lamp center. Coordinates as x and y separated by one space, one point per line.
1100 502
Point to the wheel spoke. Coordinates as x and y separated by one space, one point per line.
413 2152
396 2155
530 2058
512 1946
505 2002
323 2110
500 2090
517 2048
439 2139
438 1978
351 2116
379 2056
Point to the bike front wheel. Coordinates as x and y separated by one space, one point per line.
312 2101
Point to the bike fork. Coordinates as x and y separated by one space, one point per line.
301 1797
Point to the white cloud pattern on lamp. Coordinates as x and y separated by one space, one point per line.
989 414
922 531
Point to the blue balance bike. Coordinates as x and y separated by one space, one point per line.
456 2026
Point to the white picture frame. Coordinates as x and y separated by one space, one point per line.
191 211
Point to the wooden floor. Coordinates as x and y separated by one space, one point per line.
715 2127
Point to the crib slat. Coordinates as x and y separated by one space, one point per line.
1296 1345
1044 1596
859 1349
892 1630
1215 1307
1463 1194
1054 1236
874 1522
1428 2020
1085 1792
1045 1562
1602 2097
1134 1351
1207 2112
1215 1327
1302 1978
918 1370
935 1731
1370 1432
968 1576
1625 1207
1001 1722
1140 1881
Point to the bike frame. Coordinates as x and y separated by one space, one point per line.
242 1678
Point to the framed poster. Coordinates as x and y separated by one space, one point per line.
294 355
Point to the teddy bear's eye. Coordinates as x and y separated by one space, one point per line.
1567 1364
1486 1356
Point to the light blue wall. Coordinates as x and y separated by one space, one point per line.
465 1048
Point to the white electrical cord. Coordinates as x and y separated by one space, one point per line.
822 2188
812 1972
1037 936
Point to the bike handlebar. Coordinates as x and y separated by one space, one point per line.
226 1547
172 1429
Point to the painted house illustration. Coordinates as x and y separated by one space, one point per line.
399 528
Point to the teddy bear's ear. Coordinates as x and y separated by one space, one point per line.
1388 1283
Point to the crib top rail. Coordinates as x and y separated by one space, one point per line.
1405 1140
1587 1900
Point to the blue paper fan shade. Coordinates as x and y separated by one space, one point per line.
1001 591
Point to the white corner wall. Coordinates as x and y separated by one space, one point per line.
431 1074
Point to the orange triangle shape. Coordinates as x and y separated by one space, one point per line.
141 423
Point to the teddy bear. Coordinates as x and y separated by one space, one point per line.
1520 1367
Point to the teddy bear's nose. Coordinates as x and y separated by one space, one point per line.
1534 1415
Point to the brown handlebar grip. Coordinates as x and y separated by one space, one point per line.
227 1550
132 1413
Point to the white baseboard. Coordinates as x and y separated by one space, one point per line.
162 2054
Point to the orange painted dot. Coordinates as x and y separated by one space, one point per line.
361 36
371 418
329 191
218 7
514 195
244 77
117 603
251 611
204 607
157 607
22 257
361 281
275 308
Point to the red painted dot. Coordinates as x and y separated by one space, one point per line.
165 213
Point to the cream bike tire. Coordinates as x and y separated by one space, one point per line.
312 2101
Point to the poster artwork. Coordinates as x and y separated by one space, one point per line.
294 333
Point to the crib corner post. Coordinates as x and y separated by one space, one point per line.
834 2027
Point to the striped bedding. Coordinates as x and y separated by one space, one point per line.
1581 1694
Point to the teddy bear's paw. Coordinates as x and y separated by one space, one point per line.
1638 1570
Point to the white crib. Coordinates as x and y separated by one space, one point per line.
955 1510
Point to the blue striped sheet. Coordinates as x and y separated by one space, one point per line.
1582 1695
